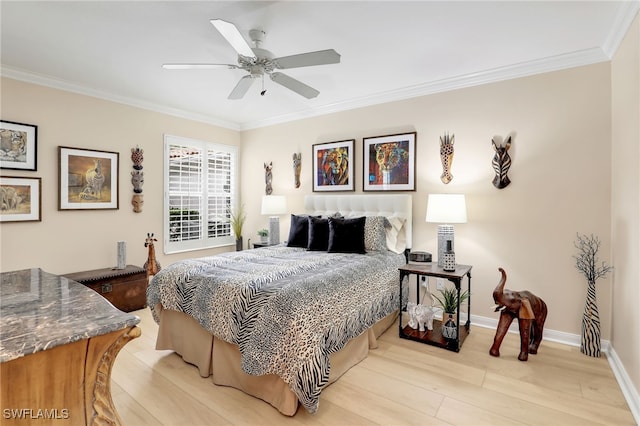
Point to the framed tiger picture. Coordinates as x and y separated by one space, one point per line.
18 146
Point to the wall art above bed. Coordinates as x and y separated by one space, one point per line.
333 166
389 163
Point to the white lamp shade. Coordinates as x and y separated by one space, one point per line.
446 208
274 205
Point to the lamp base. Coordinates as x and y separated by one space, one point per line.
445 233
274 230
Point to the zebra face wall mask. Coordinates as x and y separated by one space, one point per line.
501 163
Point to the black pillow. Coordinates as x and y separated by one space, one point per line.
318 234
298 231
346 235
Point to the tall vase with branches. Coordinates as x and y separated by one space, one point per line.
587 263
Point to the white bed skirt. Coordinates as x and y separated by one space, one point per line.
221 360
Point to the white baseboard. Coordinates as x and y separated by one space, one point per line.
628 390
626 385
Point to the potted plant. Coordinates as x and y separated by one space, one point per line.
237 219
448 300
264 234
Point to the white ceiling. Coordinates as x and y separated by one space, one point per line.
390 49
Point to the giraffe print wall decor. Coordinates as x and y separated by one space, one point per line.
268 178
501 163
446 156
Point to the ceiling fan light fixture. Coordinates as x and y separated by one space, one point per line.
258 62
232 35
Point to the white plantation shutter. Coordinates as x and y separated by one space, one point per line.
200 188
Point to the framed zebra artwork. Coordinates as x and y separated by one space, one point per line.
88 179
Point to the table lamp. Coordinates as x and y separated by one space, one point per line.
446 209
274 205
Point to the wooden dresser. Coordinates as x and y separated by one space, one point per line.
126 288
58 344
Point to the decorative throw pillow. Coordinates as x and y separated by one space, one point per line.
375 237
396 235
318 234
298 231
346 235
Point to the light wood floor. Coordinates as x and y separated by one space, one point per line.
400 383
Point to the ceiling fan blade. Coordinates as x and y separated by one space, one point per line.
321 57
295 85
198 66
231 33
241 88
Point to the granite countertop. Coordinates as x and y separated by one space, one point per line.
39 311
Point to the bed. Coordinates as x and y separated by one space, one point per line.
282 322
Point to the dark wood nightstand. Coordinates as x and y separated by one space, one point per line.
126 288
261 244
435 337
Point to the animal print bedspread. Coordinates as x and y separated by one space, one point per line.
286 308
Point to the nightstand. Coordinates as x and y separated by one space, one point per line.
261 244
434 337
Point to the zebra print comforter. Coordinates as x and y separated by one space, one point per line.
286 308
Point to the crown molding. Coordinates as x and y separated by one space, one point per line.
627 12
524 69
54 83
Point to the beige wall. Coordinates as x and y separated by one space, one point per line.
625 201
68 241
561 178
561 174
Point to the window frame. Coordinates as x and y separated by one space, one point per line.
204 241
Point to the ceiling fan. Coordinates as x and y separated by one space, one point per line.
258 62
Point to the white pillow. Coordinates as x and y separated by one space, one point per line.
396 235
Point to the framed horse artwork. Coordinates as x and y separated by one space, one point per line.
389 163
333 166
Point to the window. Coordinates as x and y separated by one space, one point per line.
200 188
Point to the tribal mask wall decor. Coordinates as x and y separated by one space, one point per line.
297 165
446 156
268 178
501 163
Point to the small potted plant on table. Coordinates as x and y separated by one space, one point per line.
448 300
264 235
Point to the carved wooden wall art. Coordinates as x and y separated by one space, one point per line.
137 178
297 165
268 177
446 156
501 163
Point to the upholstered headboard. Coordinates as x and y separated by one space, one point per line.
389 205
